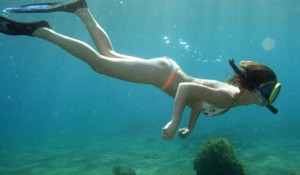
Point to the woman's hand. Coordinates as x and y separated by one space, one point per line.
183 132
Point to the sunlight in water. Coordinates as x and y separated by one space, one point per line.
268 43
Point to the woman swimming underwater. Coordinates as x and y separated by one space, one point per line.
253 84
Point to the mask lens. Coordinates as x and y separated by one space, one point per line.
266 90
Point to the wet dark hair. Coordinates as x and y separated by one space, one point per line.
255 73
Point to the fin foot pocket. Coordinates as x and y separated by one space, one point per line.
10 27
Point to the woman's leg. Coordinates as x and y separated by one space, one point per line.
98 34
153 71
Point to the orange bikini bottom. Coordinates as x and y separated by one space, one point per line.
174 68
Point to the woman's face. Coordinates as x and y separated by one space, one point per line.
260 102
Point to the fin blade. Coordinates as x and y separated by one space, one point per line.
32 8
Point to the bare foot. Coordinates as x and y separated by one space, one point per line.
168 131
184 132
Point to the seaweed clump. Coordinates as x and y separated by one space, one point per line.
123 170
217 157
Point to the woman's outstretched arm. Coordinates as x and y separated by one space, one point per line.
194 115
188 93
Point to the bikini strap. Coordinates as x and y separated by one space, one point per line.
169 80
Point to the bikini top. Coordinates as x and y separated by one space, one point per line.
210 110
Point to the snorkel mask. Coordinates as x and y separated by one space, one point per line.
266 92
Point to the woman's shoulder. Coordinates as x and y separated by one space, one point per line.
232 91
216 84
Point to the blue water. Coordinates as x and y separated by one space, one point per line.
49 97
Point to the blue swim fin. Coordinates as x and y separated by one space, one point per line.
70 7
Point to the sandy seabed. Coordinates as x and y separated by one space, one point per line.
146 155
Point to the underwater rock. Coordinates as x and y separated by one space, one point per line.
123 170
217 157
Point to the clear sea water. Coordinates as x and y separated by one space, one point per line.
57 116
